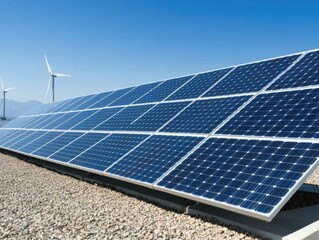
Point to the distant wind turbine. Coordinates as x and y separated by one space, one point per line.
4 91
51 80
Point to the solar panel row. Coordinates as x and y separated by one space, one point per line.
222 137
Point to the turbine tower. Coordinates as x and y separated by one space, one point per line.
53 76
4 91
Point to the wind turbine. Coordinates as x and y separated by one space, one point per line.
4 91
53 76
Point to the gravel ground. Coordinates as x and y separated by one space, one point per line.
36 203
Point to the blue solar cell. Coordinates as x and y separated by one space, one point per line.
59 119
13 138
26 140
19 141
74 120
135 94
111 98
78 146
251 77
153 157
164 90
40 141
65 104
93 100
199 84
56 144
76 104
9 135
16 123
250 174
45 120
156 117
204 115
304 73
283 114
97 118
107 151
121 120
31 122
4 133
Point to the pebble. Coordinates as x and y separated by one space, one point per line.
36 203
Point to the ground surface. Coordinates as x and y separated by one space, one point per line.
36 203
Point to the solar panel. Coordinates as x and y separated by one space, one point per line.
56 144
283 114
304 73
252 175
108 151
75 148
95 119
251 77
243 138
203 116
153 157
135 94
164 90
39 141
199 84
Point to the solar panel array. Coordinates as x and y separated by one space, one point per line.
243 138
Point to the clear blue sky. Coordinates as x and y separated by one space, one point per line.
110 44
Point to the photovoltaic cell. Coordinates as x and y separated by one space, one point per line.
107 151
251 77
26 140
96 119
304 73
111 98
92 101
78 146
283 114
56 144
156 117
135 94
75 119
205 115
164 90
199 84
38 142
12 137
47 119
76 104
65 104
250 174
59 119
20 141
153 157
121 120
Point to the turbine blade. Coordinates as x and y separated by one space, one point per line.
2 87
62 75
8 89
48 88
48 66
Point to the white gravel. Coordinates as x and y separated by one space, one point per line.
36 203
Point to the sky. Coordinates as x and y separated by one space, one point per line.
111 44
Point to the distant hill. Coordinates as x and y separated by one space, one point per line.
15 109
